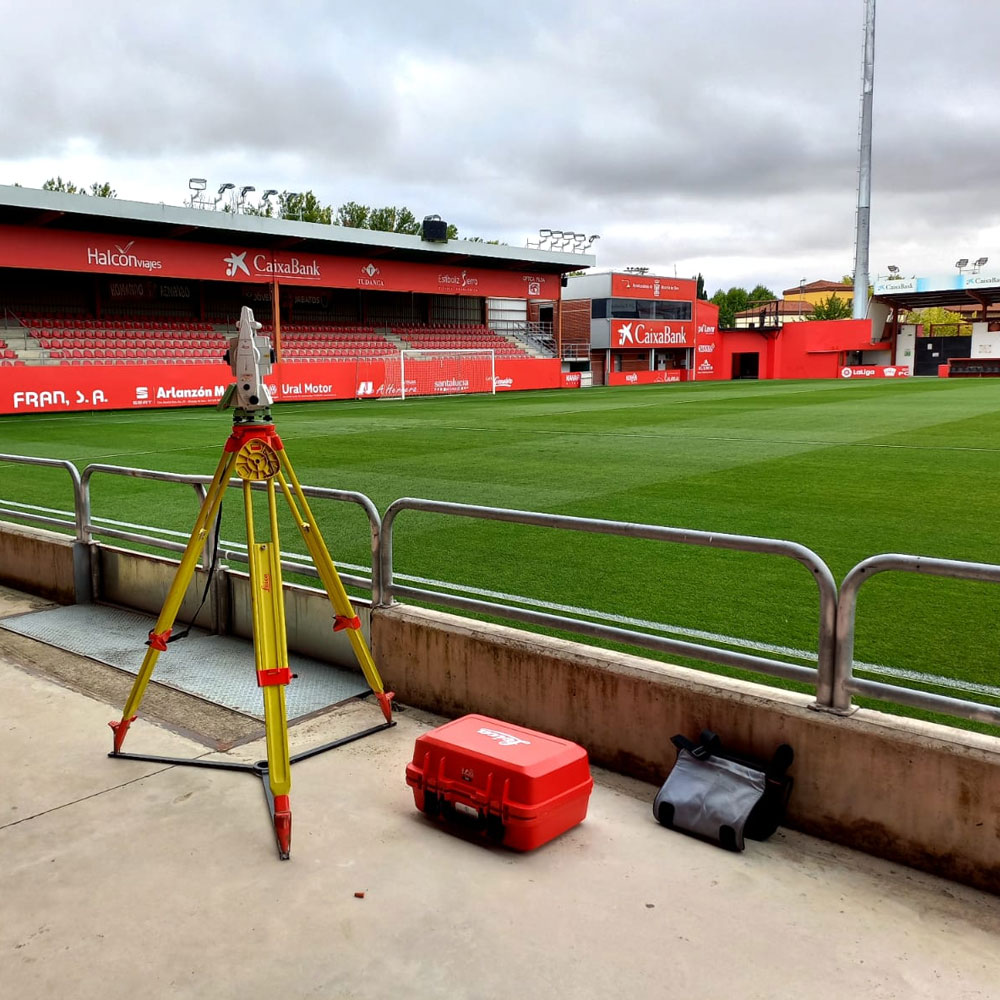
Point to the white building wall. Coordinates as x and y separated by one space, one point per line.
587 286
906 346
985 344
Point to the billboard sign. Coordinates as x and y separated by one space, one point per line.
127 256
647 378
651 333
68 388
648 286
874 371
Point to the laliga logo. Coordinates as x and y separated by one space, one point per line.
846 373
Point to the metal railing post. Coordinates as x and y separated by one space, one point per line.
83 588
845 684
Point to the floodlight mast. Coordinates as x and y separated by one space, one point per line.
250 358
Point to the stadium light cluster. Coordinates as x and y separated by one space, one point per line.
559 239
232 199
977 265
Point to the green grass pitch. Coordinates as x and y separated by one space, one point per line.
849 469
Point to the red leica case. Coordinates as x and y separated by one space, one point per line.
517 786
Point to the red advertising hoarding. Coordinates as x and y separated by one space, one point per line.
647 378
65 388
648 286
60 250
708 363
874 371
651 333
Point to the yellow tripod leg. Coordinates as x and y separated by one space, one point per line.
345 617
271 655
175 596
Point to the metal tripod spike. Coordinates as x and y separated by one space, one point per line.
255 452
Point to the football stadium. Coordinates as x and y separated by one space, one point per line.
535 490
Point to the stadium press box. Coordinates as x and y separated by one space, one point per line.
515 786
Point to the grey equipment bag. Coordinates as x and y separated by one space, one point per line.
722 796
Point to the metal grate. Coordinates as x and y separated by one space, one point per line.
219 669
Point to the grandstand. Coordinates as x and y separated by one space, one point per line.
104 283
76 340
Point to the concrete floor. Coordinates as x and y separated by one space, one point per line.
126 879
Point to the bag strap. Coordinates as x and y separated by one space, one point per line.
709 744
700 751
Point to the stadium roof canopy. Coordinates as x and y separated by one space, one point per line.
971 288
60 211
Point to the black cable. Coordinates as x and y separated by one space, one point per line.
216 532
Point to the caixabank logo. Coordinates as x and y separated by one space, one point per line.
263 265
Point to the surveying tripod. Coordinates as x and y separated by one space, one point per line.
255 452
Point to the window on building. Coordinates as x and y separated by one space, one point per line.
599 308
646 309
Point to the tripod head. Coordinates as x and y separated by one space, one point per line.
250 358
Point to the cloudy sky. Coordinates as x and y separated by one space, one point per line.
717 136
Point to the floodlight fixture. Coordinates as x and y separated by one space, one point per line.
982 261
893 269
544 233
963 262
223 188
197 184
244 191
269 193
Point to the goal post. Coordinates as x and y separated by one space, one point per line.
446 372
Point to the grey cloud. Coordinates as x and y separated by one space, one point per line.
727 128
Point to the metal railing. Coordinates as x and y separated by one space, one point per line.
41 519
744 543
81 554
845 683
226 549
833 677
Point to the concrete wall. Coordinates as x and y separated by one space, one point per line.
38 561
911 791
917 793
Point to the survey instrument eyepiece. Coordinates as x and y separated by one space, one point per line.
250 357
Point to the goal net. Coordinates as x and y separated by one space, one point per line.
443 373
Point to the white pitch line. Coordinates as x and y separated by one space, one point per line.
879 669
